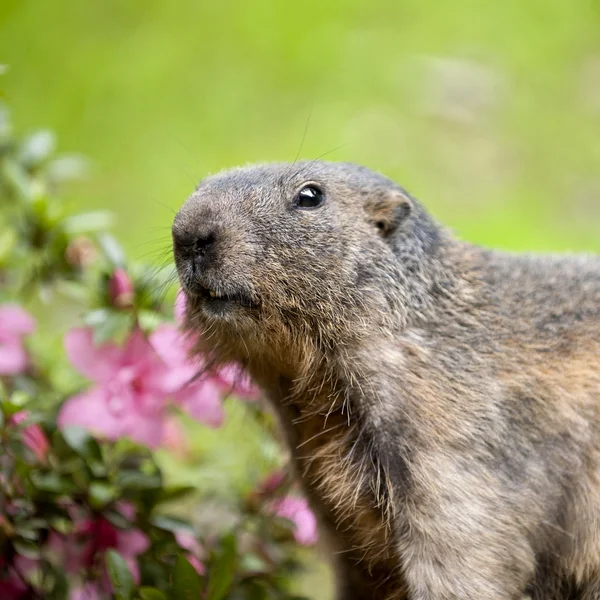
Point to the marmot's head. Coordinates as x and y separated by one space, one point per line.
281 260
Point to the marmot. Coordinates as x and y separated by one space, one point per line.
441 401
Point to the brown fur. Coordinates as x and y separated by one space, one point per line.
441 401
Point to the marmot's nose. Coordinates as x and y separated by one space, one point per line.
194 245
203 243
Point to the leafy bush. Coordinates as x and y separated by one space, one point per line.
85 510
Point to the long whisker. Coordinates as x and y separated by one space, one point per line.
302 141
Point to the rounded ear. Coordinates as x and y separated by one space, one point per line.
388 210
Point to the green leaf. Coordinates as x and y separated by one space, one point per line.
18 400
175 492
101 493
27 548
150 593
25 531
94 318
79 440
112 249
16 178
99 220
187 584
120 575
61 524
60 590
149 320
108 324
8 240
69 166
137 480
221 573
37 147
117 519
171 523
52 482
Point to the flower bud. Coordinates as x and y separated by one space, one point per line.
120 289
33 436
81 252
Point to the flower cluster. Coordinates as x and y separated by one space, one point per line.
86 505
134 383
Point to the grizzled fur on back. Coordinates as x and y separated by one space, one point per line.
441 402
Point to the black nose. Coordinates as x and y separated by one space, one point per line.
203 244
194 245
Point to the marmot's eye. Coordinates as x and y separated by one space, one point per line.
309 196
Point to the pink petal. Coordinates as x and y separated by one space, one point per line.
132 542
180 307
65 551
202 401
133 568
127 509
15 320
13 358
98 363
297 511
89 591
195 562
138 349
152 373
169 344
148 432
172 348
145 424
19 417
188 542
12 588
129 545
235 381
90 410
175 438
35 439
271 483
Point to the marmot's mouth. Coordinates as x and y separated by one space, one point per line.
217 298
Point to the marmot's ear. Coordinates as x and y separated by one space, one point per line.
388 210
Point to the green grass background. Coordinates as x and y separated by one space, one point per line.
160 93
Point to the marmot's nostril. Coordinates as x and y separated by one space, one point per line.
203 243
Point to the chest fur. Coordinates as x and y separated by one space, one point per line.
333 460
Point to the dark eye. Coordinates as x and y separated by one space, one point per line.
309 196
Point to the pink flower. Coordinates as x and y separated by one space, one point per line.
198 395
120 289
13 588
92 538
235 381
271 483
33 436
15 323
131 385
230 378
180 307
195 552
297 510
15 585
89 591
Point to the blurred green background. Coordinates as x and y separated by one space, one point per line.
487 112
